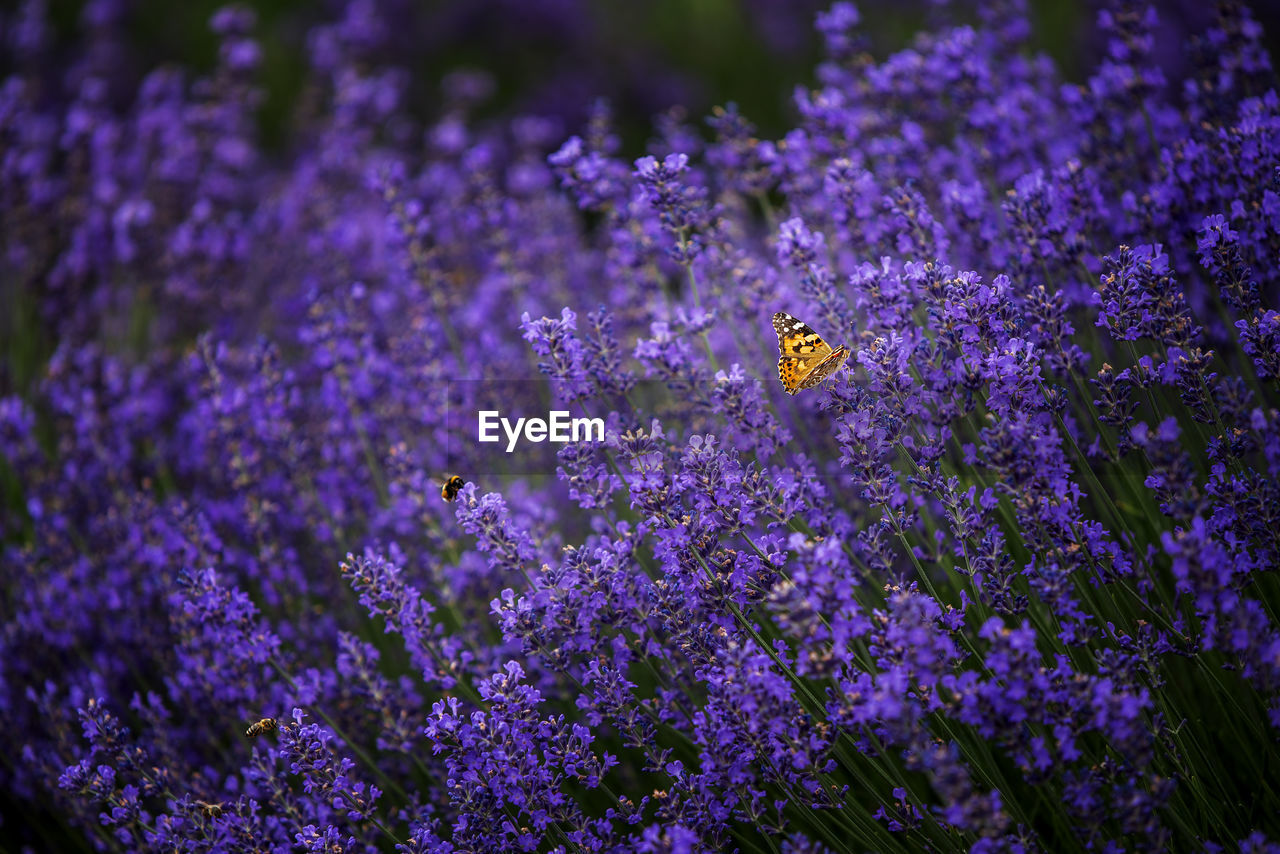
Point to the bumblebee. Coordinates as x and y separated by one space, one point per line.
451 488
262 727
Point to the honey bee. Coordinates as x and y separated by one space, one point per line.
451 487
209 810
262 727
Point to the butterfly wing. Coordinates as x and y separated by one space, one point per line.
825 368
801 351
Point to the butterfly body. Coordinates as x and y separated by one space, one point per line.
804 360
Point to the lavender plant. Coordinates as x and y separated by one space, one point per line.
1007 582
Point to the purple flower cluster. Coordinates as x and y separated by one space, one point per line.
1006 582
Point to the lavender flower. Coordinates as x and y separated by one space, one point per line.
1007 582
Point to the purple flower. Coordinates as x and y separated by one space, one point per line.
1006 582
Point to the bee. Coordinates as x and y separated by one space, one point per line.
209 810
451 488
262 727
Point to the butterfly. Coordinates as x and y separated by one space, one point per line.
805 359
451 486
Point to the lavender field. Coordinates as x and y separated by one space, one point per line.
1007 580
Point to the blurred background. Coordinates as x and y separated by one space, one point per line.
554 57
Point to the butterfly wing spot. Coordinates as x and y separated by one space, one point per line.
790 372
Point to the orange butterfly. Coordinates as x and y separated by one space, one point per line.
805 359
